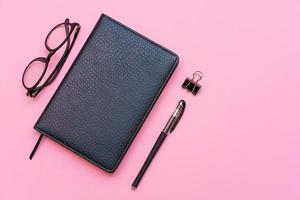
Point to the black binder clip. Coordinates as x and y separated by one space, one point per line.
192 84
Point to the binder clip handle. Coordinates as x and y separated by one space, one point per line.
198 74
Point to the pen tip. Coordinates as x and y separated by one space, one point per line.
133 187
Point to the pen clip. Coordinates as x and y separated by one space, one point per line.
179 116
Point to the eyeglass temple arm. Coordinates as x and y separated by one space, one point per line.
64 58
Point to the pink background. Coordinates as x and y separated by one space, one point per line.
239 138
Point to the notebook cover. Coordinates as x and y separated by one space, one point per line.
107 93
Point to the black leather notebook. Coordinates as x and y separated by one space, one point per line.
107 93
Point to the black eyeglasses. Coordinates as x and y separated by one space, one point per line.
34 78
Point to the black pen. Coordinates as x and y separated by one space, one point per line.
170 126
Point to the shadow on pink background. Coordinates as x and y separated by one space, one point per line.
239 138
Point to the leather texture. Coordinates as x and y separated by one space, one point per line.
107 93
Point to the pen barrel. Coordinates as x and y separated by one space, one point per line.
169 124
150 157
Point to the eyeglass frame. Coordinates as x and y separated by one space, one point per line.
35 89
